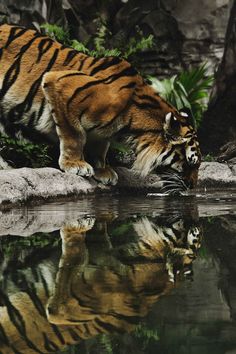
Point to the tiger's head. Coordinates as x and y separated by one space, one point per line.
163 137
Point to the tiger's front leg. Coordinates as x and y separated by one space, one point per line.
74 256
71 151
71 134
97 151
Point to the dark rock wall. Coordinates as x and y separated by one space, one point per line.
218 130
186 32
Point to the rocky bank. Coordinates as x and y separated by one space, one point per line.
24 185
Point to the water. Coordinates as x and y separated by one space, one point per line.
120 275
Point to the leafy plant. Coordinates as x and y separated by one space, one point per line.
209 158
136 45
100 43
19 153
80 47
188 89
57 33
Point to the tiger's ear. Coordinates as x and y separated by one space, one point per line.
171 124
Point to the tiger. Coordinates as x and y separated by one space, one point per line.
51 92
60 300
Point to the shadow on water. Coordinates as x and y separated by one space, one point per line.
120 275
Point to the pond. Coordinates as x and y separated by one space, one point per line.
112 274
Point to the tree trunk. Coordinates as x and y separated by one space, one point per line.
219 123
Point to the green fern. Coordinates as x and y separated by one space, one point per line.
100 41
79 46
136 45
100 38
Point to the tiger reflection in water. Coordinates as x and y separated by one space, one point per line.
106 281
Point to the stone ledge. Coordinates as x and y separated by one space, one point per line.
216 175
24 184
19 186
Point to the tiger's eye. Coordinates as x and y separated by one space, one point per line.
174 124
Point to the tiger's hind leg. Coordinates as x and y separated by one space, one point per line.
97 151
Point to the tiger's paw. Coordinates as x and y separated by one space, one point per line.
80 225
106 176
80 168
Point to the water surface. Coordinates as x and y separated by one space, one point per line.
117 274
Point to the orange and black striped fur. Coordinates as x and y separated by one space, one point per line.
53 92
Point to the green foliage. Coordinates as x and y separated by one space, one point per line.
80 47
21 153
57 33
209 158
119 147
136 45
188 89
100 43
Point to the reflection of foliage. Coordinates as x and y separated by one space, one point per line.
12 246
70 350
122 229
203 252
20 153
146 335
142 335
188 89
211 219
100 47
143 338
105 344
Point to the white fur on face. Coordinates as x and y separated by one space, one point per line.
146 160
149 158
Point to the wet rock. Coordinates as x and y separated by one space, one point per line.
216 174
